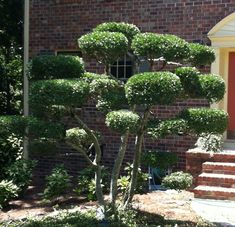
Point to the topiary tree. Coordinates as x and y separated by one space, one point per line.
58 88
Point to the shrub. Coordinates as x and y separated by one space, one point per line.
210 142
200 54
122 121
43 146
178 181
20 172
113 100
129 30
212 87
58 92
189 78
79 137
13 125
142 180
105 47
86 182
153 88
56 67
109 93
159 159
196 85
152 46
89 77
176 49
159 129
42 129
205 120
10 149
8 191
148 45
57 183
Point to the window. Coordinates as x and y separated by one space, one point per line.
123 68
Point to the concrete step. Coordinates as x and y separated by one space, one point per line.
215 179
218 167
212 192
225 156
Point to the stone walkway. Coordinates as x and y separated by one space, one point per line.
217 211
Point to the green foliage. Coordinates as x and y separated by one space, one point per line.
210 142
123 183
153 88
178 181
11 32
20 172
79 137
176 49
189 78
122 121
160 128
114 99
109 93
13 124
11 84
153 46
36 128
10 150
142 180
57 183
43 146
201 54
129 30
196 85
205 120
42 129
89 77
86 182
212 86
159 159
105 47
58 92
56 67
8 191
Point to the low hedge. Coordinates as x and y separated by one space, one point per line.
55 67
129 30
160 129
196 85
79 137
201 54
122 121
105 47
152 46
65 92
151 88
205 120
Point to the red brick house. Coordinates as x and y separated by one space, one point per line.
55 26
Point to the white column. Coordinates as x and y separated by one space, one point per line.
26 60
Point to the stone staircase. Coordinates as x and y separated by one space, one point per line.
217 180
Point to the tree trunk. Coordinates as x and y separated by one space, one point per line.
96 162
136 162
117 167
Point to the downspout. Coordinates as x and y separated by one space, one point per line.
26 82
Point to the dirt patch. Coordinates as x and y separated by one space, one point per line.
166 204
170 204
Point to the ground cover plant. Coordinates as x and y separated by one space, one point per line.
128 106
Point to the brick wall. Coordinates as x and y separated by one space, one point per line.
56 25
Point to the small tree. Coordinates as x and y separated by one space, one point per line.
59 85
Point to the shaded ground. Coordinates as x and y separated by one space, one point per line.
163 208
